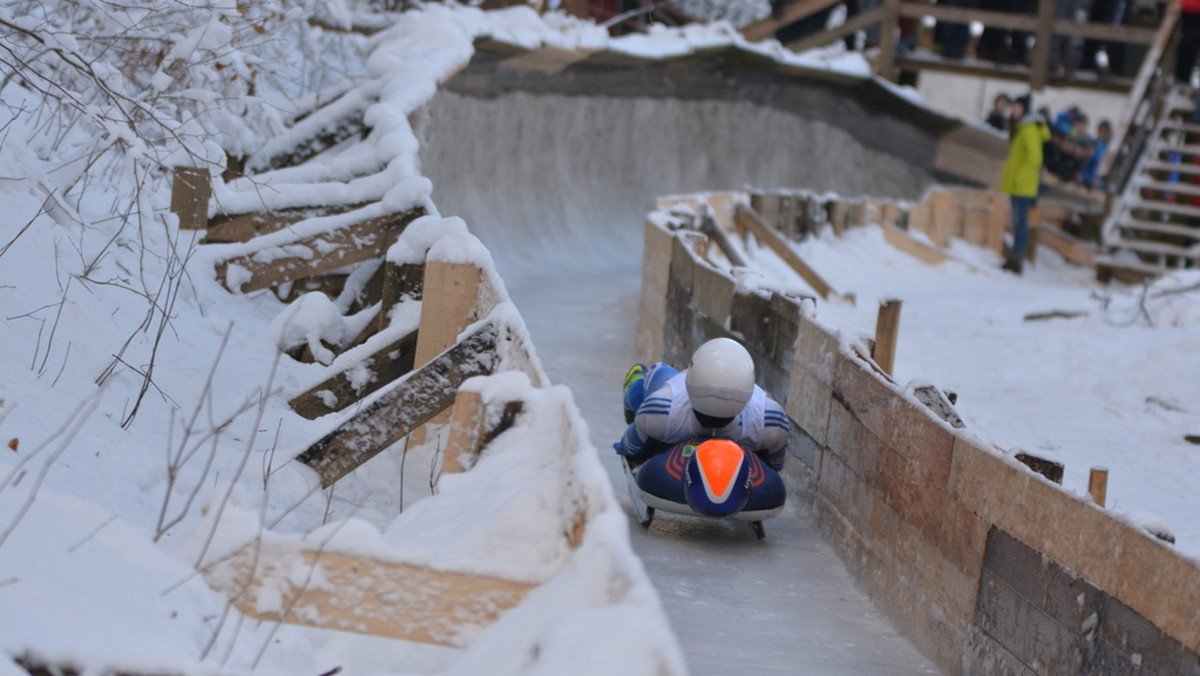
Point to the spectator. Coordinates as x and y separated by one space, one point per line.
954 36
1022 174
998 118
1067 53
1090 177
1003 45
1111 12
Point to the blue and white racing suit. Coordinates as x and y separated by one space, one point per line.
664 420
664 417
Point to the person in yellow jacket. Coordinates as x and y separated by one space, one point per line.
1023 173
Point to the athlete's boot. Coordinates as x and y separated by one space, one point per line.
634 374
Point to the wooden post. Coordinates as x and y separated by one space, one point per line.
887 326
190 193
1039 60
1098 485
421 395
885 63
449 304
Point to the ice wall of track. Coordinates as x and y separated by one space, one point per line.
536 174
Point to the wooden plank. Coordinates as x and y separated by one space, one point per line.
364 596
245 227
887 329
754 224
1098 485
191 189
952 14
998 221
318 254
885 63
1137 35
1067 246
709 227
350 124
921 59
792 13
338 391
1039 58
942 203
410 403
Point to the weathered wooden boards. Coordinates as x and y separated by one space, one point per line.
363 595
276 263
411 402
744 217
340 390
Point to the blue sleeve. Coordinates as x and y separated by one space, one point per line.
631 445
776 432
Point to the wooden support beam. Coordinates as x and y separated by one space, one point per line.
392 283
709 226
885 63
190 191
750 220
331 590
792 13
1067 246
350 124
410 403
1039 58
963 15
245 227
315 254
912 246
887 330
854 24
339 390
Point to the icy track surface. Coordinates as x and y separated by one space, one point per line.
563 221
783 605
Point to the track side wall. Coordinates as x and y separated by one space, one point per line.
983 564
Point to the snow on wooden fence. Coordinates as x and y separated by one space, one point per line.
984 564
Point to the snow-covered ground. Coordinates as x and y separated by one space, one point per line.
122 352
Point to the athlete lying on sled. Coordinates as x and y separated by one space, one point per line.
677 449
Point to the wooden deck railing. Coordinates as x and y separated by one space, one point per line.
1043 25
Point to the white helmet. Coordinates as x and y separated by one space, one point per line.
720 379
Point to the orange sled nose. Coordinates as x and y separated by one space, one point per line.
720 461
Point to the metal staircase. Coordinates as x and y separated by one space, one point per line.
1154 226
